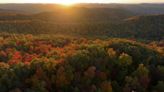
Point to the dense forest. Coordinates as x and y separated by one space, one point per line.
85 48
65 64
117 23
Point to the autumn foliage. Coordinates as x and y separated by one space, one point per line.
38 64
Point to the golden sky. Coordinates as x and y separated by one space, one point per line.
80 1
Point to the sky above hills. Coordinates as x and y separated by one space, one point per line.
81 1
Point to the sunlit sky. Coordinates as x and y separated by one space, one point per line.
80 1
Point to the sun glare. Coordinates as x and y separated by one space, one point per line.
67 2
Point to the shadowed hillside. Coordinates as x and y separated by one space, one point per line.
141 27
85 22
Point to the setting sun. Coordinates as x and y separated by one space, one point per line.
71 2
63 2
67 3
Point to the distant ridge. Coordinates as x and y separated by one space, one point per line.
109 20
9 11
140 9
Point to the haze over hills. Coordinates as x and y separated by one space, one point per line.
144 8
143 21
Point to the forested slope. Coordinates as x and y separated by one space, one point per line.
86 22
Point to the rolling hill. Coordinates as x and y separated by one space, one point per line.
140 9
62 21
145 27
86 22
100 20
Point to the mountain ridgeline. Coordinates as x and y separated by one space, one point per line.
108 20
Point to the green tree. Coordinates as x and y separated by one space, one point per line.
125 60
159 87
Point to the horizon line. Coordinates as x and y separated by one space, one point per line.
86 3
